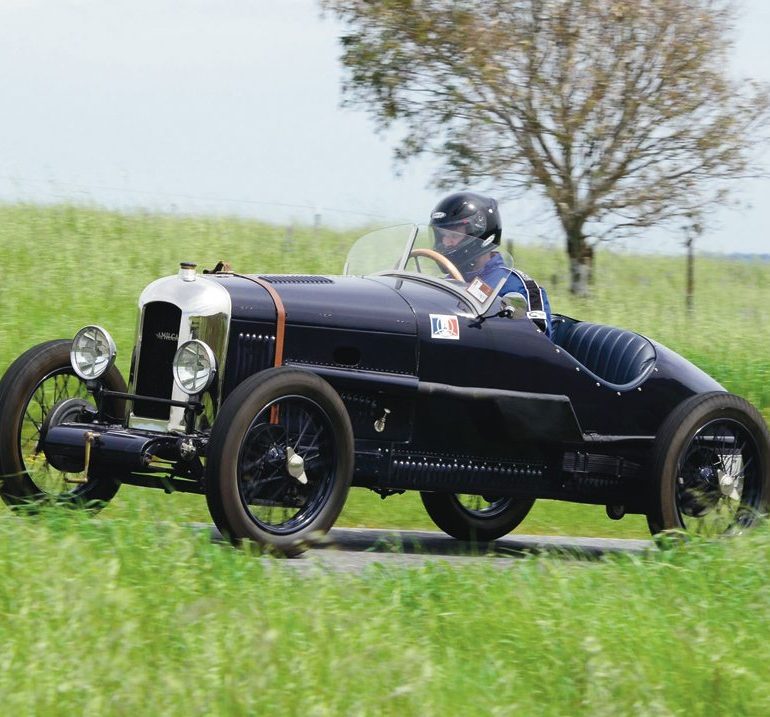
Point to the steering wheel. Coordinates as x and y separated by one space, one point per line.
441 260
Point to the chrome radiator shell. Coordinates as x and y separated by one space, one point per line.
204 309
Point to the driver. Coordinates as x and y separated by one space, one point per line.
467 230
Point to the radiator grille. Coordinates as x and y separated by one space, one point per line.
160 334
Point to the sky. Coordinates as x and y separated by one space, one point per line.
235 108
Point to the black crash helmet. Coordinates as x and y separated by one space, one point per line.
472 215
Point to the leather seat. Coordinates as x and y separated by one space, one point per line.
615 356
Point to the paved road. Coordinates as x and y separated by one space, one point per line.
352 549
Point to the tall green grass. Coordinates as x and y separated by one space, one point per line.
63 266
131 616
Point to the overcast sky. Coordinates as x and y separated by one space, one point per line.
234 107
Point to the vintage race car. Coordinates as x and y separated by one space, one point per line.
273 395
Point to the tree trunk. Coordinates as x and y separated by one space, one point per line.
580 260
589 255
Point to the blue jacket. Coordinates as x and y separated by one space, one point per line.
494 270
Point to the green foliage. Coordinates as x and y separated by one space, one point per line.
131 616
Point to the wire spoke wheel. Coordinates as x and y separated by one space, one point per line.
710 464
280 460
475 517
57 386
286 468
482 506
40 389
718 484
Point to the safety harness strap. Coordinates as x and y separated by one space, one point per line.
534 296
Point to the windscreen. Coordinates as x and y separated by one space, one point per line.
380 250
415 250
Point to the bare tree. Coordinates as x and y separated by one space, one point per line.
621 113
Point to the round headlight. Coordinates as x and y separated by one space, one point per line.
92 353
194 367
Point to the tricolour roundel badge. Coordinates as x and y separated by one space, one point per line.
444 326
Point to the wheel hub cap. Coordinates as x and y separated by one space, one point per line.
295 466
730 485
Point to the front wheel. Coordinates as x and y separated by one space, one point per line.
280 460
40 380
710 467
475 517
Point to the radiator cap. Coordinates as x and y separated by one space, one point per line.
187 270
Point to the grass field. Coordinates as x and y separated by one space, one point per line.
136 613
133 616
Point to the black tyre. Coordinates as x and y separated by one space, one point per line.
38 380
280 460
475 517
710 467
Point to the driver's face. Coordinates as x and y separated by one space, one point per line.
450 238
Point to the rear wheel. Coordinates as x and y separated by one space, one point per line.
710 466
280 460
475 517
32 392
